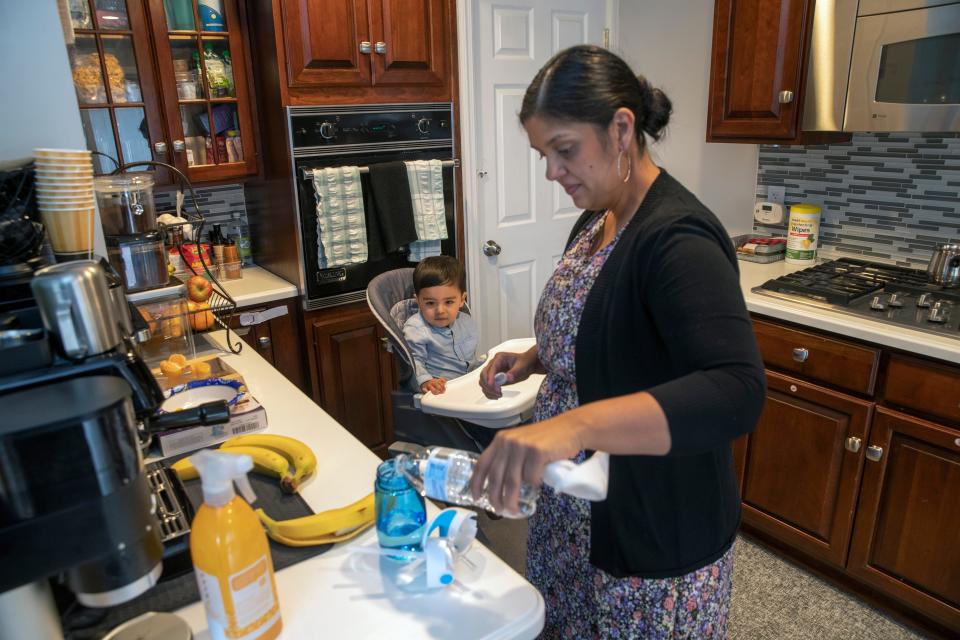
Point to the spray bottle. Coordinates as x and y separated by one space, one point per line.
230 552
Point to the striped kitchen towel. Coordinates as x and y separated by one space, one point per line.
341 228
429 212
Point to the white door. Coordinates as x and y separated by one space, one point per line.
526 217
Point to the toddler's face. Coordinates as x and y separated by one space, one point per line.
440 305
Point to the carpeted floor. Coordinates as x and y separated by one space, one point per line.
772 598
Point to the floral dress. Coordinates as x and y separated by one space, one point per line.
583 601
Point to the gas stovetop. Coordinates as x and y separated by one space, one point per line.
891 294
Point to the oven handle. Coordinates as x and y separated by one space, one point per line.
307 174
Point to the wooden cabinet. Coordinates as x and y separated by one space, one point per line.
355 51
907 538
156 82
802 468
352 374
757 71
273 330
856 485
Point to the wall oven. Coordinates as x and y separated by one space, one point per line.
361 136
884 65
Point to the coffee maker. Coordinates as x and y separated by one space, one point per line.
79 405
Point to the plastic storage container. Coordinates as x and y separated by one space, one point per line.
140 259
170 332
803 234
126 204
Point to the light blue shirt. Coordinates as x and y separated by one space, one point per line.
441 352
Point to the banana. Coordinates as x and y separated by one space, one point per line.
328 526
265 462
301 457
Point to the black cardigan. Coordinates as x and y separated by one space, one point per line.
666 315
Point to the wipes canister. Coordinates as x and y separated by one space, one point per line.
803 234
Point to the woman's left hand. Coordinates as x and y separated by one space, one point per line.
519 456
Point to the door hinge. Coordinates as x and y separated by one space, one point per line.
606 38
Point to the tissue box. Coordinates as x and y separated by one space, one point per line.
245 417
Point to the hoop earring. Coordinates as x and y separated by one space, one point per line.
629 167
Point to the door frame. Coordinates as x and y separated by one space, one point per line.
469 142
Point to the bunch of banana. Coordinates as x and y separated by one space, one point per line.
272 455
326 527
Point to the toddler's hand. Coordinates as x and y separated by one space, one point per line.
435 386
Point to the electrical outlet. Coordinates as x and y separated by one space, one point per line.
776 193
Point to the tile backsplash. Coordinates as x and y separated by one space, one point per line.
891 196
222 204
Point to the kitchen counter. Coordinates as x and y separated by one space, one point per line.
258 286
753 274
345 593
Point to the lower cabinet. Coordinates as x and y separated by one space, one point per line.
907 538
273 330
862 480
352 374
802 467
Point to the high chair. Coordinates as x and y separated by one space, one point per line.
429 419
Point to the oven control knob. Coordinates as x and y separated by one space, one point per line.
876 304
327 130
924 300
894 301
937 314
423 125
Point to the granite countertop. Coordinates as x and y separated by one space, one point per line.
258 286
918 342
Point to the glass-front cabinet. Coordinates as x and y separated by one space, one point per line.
163 80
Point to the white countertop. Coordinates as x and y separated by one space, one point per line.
258 286
753 274
344 593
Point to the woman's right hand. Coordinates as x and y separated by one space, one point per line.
516 367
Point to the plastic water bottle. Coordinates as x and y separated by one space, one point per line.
444 474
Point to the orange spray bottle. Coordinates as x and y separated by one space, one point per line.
230 552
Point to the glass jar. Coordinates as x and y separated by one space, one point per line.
140 260
401 511
126 204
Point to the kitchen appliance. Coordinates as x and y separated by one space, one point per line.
883 65
768 213
885 293
21 235
339 136
944 267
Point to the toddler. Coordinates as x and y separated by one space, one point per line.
443 340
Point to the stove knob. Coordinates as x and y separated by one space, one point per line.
327 130
423 125
937 314
895 300
876 304
924 301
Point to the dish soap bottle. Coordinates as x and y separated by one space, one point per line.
230 552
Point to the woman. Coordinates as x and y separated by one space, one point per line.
649 355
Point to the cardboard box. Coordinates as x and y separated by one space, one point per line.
246 417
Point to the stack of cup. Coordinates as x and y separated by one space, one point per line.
64 179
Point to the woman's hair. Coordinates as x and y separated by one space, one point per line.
436 271
587 83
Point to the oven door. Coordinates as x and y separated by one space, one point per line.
905 70
348 283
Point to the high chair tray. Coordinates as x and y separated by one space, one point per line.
463 398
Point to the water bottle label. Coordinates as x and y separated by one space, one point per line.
435 477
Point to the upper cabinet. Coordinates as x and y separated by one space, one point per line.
164 80
350 51
757 72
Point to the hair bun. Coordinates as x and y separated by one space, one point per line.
656 109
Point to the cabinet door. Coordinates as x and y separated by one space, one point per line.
277 339
322 40
907 538
801 479
353 374
410 47
759 49
206 100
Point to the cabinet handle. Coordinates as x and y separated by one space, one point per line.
852 444
381 47
263 341
874 453
179 146
800 354
365 47
160 148
785 97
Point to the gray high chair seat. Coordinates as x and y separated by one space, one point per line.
390 298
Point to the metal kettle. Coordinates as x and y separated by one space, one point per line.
944 267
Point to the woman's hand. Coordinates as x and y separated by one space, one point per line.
519 456
515 366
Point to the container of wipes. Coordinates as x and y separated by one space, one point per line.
803 234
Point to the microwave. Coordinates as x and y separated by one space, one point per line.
883 65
